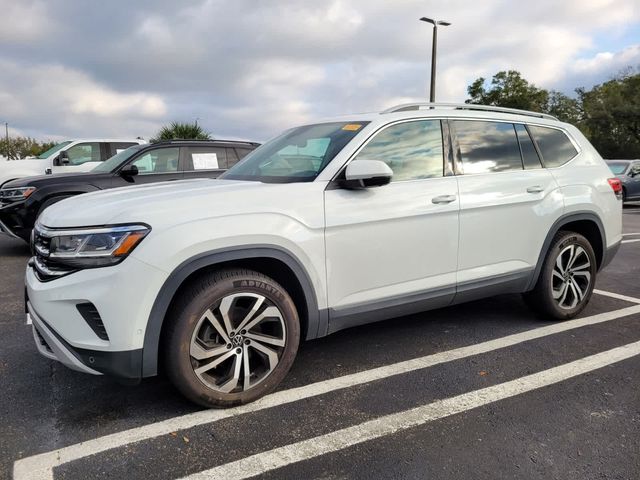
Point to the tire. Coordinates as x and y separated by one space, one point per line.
567 278
624 195
200 334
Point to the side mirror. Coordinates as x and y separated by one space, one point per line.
129 171
367 173
63 158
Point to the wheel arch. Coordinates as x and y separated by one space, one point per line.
587 224
275 262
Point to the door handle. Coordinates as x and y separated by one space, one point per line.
535 189
443 199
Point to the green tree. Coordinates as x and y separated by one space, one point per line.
508 89
611 116
21 147
181 131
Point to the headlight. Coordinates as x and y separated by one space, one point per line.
89 247
16 194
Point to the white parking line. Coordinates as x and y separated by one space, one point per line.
617 295
40 467
630 234
631 241
390 424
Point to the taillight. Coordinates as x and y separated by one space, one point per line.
616 185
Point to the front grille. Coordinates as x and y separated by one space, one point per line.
43 342
90 314
46 268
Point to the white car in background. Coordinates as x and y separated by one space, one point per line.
71 156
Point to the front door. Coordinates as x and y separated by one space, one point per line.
392 250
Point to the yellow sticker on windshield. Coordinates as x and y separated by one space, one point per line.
352 127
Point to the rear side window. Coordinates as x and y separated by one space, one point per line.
243 152
487 147
554 145
413 150
206 158
232 157
530 157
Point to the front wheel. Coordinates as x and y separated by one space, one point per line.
231 338
567 278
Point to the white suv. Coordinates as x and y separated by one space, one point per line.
327 226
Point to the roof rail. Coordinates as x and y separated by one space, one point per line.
405 107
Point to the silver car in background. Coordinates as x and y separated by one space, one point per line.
628 171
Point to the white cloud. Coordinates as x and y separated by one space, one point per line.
248 69
22 22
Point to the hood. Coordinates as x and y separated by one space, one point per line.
12 169
59 178
162 203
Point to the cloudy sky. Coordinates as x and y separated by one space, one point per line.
248 69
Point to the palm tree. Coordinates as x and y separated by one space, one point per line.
181 131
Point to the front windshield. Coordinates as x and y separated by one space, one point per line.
114 162
618 168
298 155
53 150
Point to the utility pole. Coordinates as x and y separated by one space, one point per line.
6 133
434 48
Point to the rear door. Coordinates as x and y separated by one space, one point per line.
204 161
157 165
508 203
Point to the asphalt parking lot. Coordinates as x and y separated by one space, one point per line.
482 390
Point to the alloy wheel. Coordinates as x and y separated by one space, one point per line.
238 342
571 277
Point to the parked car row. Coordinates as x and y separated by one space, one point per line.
327 226
22 201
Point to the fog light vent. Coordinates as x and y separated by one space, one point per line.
90 314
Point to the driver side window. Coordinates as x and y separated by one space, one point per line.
83 153
162 160
413 150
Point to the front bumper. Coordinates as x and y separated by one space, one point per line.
122 295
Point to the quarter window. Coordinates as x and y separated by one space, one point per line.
554 145
487 147
413 150
530 157
162 160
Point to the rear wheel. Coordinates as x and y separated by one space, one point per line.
567 279
232 338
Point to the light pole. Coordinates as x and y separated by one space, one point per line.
6 131
434 47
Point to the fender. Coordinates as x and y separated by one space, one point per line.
317 320
555 228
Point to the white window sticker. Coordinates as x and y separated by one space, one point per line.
118 150
205 161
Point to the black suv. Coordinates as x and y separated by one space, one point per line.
21 201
